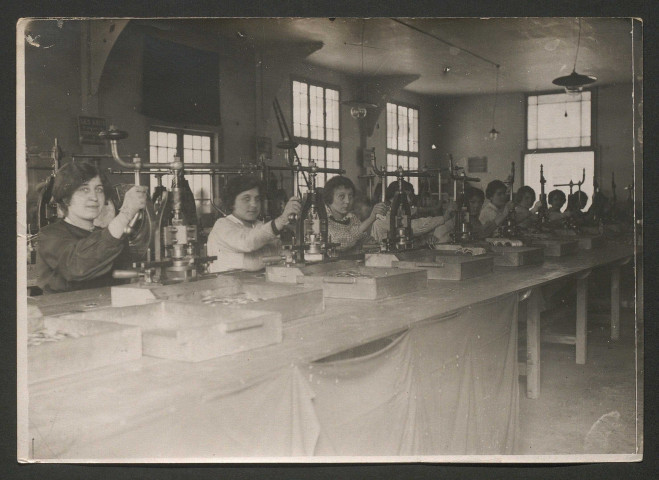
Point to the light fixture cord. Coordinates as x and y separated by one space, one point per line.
574 68
362 85
496 95
362 44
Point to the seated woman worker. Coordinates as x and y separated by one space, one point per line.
344 227
420 226
575 205
240 240
495 209
556 200
73 253
526 208
474 198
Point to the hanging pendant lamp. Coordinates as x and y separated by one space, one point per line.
494 133
574 82
359 108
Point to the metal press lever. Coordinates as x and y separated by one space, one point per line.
113 135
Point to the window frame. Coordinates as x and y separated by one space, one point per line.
312 142
593 132
180 132
398 152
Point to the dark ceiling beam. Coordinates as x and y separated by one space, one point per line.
274 63
379 90
416 29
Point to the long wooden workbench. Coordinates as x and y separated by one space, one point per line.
150 386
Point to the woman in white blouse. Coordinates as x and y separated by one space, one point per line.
241 240
496 207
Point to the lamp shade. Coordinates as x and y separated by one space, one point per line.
359 104
358 108
574 82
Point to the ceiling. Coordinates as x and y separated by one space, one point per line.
453 56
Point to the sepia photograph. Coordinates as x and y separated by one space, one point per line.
330 240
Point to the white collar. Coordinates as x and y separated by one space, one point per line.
491 205
240 222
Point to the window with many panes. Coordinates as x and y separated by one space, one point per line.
316 128
192 147
559 137
403 139
558 121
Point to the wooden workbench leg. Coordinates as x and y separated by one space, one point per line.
615 298
533 345
615 302
581 339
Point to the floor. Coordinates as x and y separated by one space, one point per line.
589 408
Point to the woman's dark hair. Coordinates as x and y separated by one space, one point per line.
393 188
71 176
334 183
523 190
577 201
238 185
492 188
472 192
558 195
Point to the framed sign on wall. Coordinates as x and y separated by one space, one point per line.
89 128
477 164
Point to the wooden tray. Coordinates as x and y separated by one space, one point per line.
194 332
370 283
473 250
289 274
141 293
86 345
591 242
452 267
78 301
291 301
586 241
557 247
446 265
518 256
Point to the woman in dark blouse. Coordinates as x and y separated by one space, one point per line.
72 253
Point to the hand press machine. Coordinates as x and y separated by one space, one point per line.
400 250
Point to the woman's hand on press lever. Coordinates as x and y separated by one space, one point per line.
499 219
134 201
509 207
293 206
379 210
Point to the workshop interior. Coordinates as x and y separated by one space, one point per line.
439 257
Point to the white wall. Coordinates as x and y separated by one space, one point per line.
615 137
462 124
462 127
